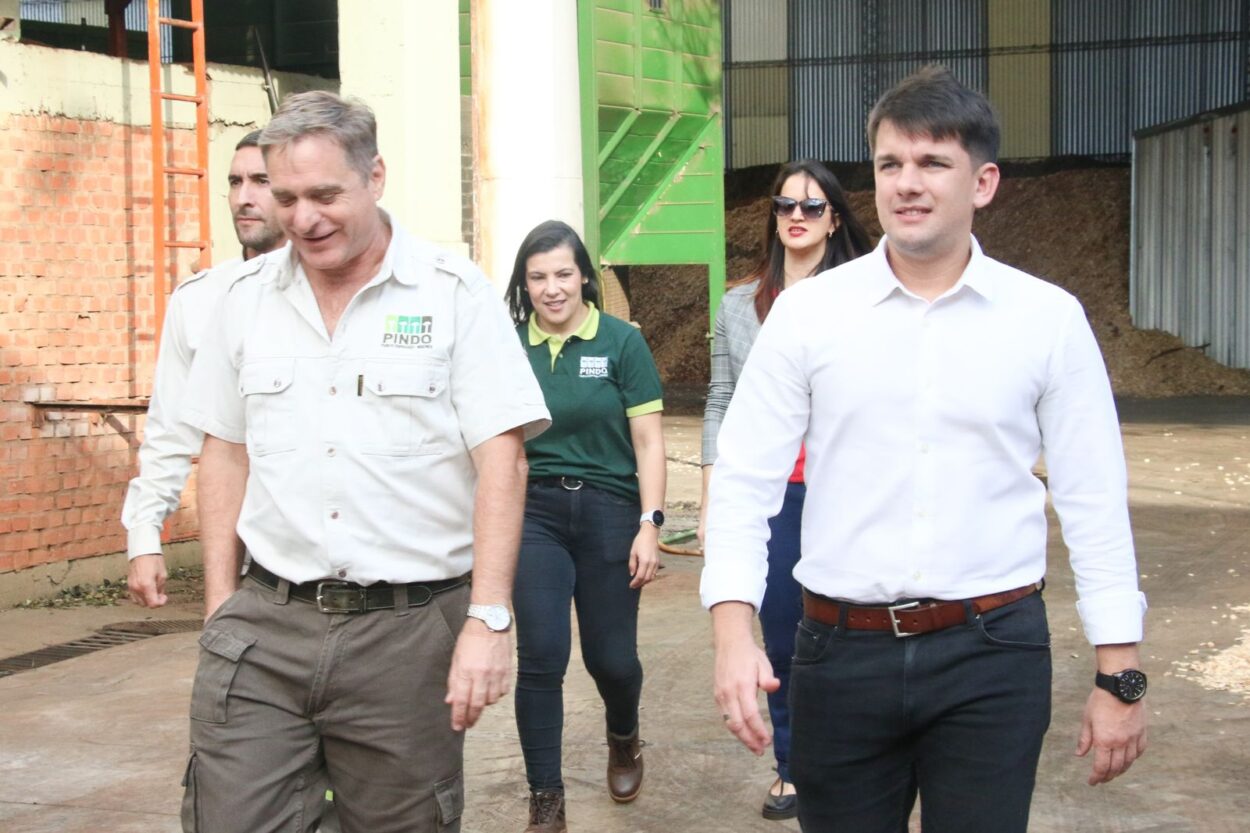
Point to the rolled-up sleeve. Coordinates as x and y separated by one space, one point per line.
493 388
1089 485
758 442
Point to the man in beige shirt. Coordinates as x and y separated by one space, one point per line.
365 402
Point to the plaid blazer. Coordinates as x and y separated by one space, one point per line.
732 336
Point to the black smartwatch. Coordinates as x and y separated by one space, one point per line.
1128 685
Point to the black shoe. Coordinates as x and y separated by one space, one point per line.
777 807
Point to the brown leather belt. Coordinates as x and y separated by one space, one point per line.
911 618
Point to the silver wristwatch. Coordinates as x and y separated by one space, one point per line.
496 617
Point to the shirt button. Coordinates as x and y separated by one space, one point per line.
333 390
277 383
342 574
329 452
334 515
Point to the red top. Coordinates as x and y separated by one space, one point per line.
797 475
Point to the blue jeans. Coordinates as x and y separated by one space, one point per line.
957 715
780 614
574 546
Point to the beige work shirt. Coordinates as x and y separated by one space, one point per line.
359 443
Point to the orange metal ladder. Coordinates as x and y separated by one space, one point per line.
162 232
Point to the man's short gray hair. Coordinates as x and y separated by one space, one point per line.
348 121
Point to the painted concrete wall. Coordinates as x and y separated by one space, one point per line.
1020 82
403 60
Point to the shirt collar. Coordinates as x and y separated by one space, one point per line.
289 267
976 276
588 329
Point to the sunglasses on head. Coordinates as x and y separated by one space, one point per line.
812 208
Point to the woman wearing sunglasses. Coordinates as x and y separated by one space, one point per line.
593 513
810 229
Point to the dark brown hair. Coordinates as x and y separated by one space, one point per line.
932 102
544 237
847 243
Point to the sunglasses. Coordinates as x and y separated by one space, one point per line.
812 208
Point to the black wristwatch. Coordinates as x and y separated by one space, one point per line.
1129 685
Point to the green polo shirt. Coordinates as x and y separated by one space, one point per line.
593 381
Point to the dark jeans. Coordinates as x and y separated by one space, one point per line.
575 546
957 715
780 613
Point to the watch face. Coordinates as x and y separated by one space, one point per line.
497 618
658 517
1131 685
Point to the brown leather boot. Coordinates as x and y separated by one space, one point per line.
547 812
624 767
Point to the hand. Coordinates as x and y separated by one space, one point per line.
1116 731
480 669
644 556
742 669
145 580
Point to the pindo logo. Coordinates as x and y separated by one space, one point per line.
408 331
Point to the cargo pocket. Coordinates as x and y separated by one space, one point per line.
450 797
219 661
190 803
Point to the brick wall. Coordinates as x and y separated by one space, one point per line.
76 325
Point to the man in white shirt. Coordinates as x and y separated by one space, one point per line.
365 401
169 445
926 378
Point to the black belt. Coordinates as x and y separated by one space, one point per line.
334 596
571 484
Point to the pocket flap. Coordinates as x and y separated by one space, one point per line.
450 797
225 644
268 376
400 379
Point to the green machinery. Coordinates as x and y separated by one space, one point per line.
652 143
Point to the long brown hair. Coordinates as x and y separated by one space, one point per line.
847 243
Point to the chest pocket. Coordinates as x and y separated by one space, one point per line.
266 388
408 408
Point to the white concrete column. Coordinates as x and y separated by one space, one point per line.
402 58
527 124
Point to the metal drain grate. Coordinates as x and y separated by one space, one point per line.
120 633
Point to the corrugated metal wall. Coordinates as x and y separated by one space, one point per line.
1122 65
1070 77
1190 261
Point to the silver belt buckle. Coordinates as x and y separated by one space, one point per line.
571 484
894 623
337 597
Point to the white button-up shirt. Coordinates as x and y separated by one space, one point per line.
359 444
923 422
168 444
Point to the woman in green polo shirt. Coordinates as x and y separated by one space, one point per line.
592 513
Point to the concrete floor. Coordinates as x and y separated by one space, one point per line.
98 743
